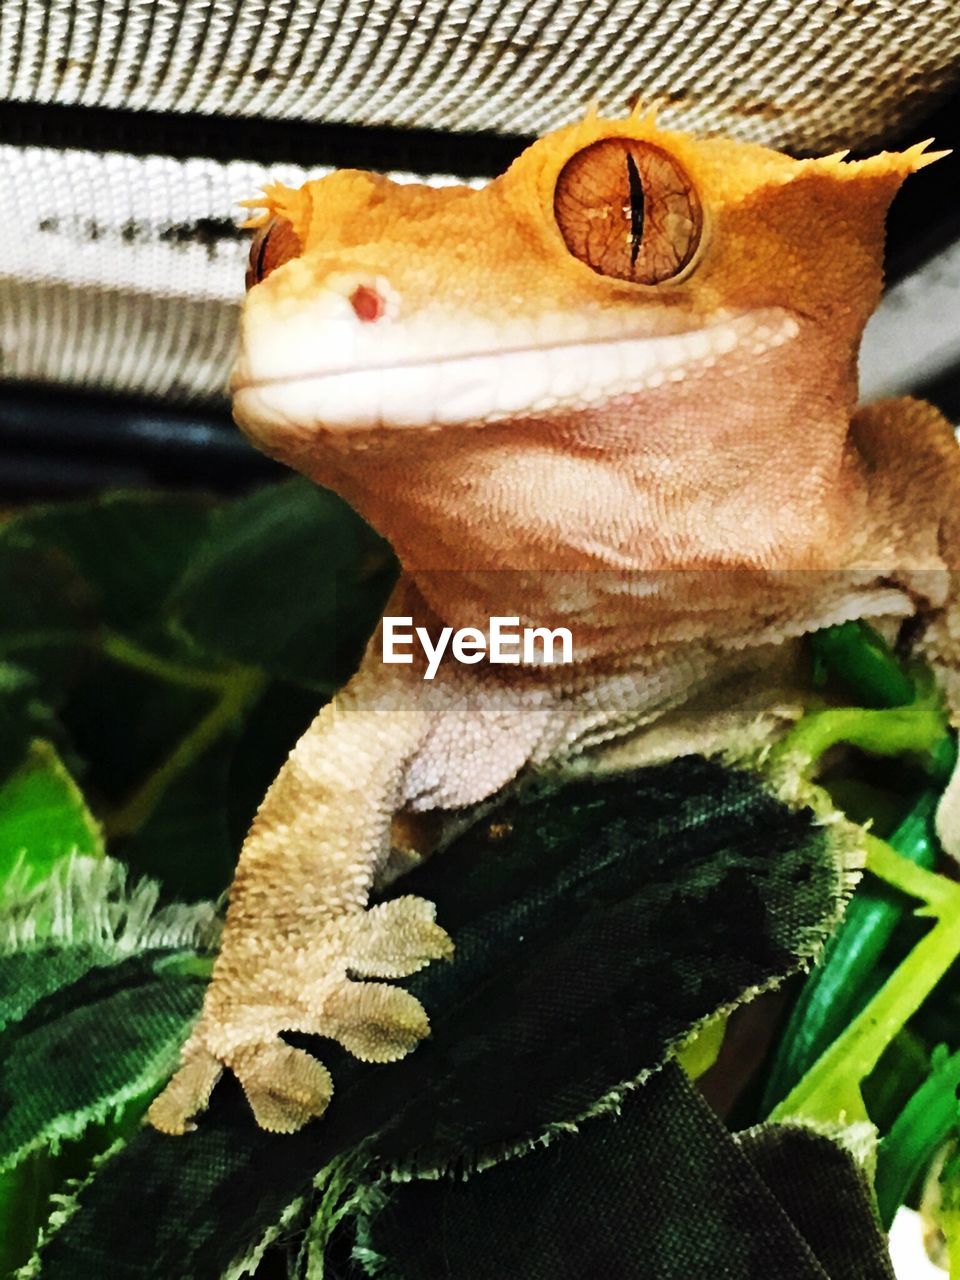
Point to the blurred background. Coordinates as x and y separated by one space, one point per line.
129 129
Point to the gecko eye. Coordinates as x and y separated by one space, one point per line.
273 244
628 210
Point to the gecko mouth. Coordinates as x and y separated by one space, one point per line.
492 386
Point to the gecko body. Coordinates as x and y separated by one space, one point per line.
612 391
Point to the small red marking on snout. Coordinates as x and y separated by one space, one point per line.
367 303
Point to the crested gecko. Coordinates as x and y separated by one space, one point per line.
613 390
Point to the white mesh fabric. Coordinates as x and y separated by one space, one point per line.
123 273
126 272
105 288
812 74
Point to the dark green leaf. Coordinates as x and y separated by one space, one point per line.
592 933
44 594
290 580
661 1190
186 842
163 790
124 552
70 574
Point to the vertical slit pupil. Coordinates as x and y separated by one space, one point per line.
635 187
262 254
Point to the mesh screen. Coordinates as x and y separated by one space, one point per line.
802 73
125 270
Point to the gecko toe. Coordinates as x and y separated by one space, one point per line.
188 1091
376 1022
285 1087
395 939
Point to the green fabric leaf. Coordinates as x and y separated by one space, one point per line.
823 1189
660 1190
75 579
594 929
94 1042
43 817
186 842
289 579
97 991
122 552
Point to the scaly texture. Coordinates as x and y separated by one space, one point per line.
614 391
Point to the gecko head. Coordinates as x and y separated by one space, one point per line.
612 257
613 261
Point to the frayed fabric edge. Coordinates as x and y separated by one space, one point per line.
88 901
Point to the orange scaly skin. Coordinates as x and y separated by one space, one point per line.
618 396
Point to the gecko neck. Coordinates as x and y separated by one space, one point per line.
725 469
726 474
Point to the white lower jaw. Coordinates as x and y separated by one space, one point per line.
506 384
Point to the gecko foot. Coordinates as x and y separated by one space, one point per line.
315 985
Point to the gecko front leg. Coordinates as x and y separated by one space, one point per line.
299 944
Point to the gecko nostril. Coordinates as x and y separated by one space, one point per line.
368 303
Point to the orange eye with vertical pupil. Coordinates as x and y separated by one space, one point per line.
627 210
273 244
